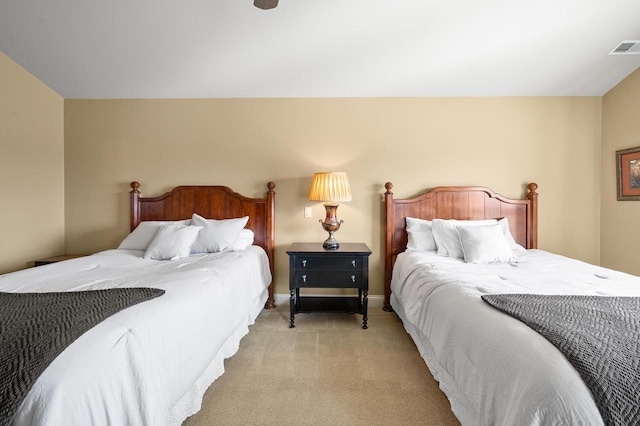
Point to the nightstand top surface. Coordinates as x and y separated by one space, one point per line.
345 248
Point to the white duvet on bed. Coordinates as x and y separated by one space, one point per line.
494 369
149 364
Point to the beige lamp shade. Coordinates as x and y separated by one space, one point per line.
330 187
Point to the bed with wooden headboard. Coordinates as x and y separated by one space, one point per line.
149 361
212 202
455 202
513 335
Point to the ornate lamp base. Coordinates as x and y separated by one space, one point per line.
331 243
331 224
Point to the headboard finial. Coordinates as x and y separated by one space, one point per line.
388 186
532 187
134 197
271 186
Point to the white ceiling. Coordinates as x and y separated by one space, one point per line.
321 48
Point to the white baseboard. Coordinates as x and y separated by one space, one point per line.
375 301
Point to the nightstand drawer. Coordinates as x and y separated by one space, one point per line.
329 279
324 262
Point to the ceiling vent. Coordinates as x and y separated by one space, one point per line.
627 47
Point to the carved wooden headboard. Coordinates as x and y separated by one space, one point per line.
456 202
212 202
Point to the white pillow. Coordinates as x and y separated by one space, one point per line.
140 237
217 235
245 239
447 238
172 242
504 224
484 244
420 236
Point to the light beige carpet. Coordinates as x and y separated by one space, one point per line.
326 371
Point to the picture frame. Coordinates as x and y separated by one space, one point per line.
628 174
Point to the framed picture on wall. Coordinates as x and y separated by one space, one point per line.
628 168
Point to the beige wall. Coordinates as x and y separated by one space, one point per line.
502 143
31 168
498 142
620 227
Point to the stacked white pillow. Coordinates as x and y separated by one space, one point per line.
504 225
140 238
217 235
245 239
484 244
162 240
172 242
420 235
475 241
446 235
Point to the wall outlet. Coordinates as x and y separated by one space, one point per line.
307 212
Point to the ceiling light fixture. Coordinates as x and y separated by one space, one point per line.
265 4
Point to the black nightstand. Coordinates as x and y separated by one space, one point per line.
312 266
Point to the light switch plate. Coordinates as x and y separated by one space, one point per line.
307 212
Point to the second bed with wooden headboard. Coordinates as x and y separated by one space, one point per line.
512 333
456 202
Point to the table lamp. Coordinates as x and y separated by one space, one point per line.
331 188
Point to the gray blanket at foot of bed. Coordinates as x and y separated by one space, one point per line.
36 327
600 336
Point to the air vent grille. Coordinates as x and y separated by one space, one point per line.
627 47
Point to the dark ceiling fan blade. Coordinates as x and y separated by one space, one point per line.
265 4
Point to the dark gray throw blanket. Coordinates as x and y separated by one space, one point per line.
36 327
599 335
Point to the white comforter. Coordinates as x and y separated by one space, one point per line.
494 369
149 364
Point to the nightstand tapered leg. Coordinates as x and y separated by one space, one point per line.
292 301
365 302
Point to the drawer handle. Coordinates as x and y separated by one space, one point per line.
304 263
353 278
304 278
353 263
